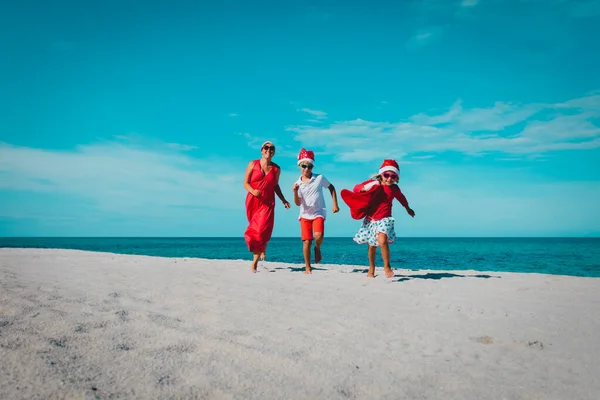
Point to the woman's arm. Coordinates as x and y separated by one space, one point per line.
279 193
247 175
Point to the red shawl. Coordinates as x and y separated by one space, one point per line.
362 203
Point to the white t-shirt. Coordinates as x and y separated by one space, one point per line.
312 202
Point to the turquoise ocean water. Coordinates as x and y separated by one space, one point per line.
560 256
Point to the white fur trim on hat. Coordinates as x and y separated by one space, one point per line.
263 145
389 168
310 160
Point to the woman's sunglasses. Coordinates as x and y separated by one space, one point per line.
304 166
388 175
267 147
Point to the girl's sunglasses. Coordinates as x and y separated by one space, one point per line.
388 175
304 166
267 147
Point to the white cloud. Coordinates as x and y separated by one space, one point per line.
232 115
534 129
121 177
424 36
315 113
469 3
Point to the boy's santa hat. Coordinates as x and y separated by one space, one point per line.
389 165
306 156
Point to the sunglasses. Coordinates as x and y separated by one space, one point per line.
267 147
389 175
304 166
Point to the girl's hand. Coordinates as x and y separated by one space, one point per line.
335 209
410 212
256 192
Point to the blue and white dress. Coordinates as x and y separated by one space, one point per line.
370 229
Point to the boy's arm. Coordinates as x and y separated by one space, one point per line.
335 207
295 188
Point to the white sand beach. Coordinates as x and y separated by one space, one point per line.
84 325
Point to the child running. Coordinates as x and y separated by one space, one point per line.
308 194
373 201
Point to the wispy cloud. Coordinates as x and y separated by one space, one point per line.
121 177
232 115
504 128
424 36
469 3
315 113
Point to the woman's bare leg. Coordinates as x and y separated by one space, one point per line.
255 262
371 273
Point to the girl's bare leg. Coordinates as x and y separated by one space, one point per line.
385 254
318 243
306 250
255 262
371 273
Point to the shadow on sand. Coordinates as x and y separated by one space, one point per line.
440 275
301 269
397 277
430 275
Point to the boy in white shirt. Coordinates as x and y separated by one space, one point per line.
308 194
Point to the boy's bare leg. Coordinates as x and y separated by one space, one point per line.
306 250
385 254
255 262
371 273
318 243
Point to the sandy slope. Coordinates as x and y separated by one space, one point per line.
81 325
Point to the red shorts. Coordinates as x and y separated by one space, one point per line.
308 226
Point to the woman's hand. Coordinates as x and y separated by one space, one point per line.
286 204
255 192
410 212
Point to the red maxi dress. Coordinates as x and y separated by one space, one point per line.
260 210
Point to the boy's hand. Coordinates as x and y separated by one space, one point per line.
335 208
295 187
410 212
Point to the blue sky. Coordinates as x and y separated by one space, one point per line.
137 118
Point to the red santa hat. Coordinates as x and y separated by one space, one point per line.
306 156
389 165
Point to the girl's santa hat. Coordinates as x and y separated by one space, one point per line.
389 165
306 156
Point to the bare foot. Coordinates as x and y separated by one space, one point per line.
253 269
263 256
318 256
308 271
370 275
388 272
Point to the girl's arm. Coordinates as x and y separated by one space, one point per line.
402 199
247 186
335 207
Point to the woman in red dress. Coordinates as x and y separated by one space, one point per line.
261 180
